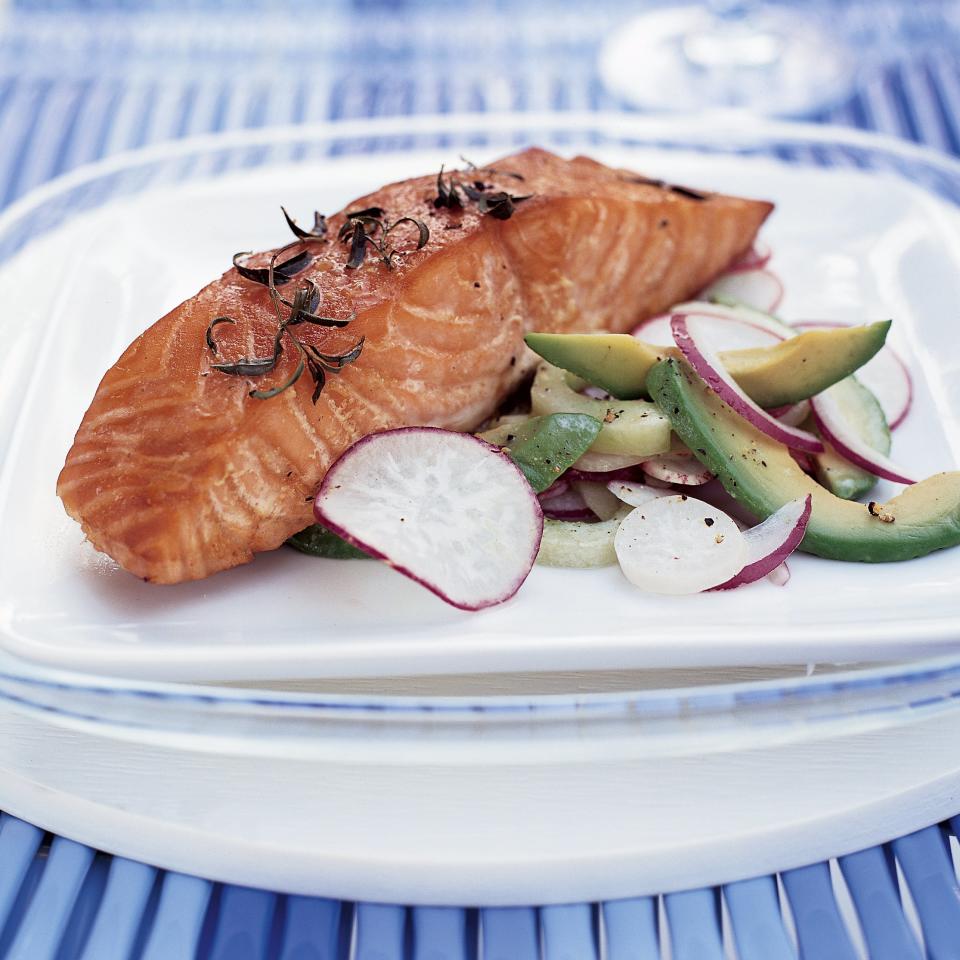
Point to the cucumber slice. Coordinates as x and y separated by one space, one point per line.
634 427
865 415
544 447
568 543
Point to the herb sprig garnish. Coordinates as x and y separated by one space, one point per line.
447 193
367 228
290 313
319 226
500 204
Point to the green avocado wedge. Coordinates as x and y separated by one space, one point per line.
773 376
761 474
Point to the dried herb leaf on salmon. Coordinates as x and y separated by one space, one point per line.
177 472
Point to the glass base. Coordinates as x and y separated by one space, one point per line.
773 62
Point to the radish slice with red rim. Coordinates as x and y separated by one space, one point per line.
635 494
886 376
756 258
686 470
730 329
835 430
758 288
692 341
446 509
598 498
678 545
771 542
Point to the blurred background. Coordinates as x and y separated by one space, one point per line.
81 79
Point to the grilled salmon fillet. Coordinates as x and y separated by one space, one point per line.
177 472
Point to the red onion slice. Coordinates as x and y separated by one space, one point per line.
886 376
692 343
835 430
568 505
446 509
771 542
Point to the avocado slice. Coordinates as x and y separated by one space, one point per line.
761 474
635 427
773 376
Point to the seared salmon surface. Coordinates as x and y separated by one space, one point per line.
177 472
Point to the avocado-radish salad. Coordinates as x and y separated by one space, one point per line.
697 453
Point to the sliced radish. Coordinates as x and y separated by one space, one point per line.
446 509
679 545
731 328
828 414
886 376
598 498
704 360
756 258
757 288
771 542
635 493
728 332
685 470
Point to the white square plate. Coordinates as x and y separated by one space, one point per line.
850 245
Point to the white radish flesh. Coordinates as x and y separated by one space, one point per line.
771 542
679 545
757 288
687 471
828 414
756 258
694 345
728 333
446 509
598 498
636 494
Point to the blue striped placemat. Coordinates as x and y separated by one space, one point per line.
80 79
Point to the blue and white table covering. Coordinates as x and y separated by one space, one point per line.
80 81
